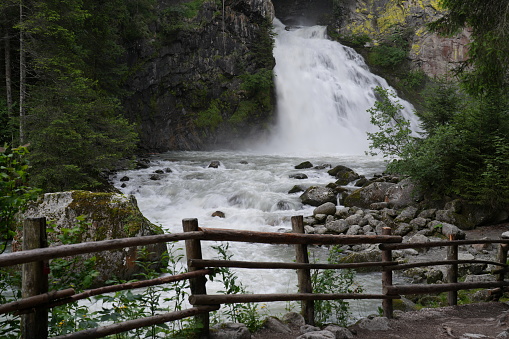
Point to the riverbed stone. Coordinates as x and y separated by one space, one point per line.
337 226
299 176
328 208
296 189
304 165
419 223
344 174
354 230
214 164
318 195
365 196
407 214
403 229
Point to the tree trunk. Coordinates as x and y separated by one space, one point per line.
22 79
8 74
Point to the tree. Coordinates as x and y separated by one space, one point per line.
74 122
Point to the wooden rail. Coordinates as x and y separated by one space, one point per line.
198 268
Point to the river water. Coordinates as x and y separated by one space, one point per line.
323 92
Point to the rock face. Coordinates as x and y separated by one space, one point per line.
106 216
204 76
377 19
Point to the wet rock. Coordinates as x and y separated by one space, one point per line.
155 177
159 171
296 189
168 170
125 178
316 196
303 165
218 214
123 185
362 182
328 208
214 164
142 163
244 162
344 174
299 176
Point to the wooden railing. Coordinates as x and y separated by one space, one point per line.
36 301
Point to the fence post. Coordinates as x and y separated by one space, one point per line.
197 285
452 254
34 279
387 277
303 275
502 258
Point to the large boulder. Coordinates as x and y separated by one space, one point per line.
403 194
104 216
343 174
318 195
365 196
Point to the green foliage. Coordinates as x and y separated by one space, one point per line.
333 281
71 272
211 117
246 313
387 56
14 189
414 79
179 17
355 40
394 135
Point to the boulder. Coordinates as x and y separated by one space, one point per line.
299 176
303 165
276 325
365 196
337 226
344 174
328 208
218 214
448 230
407 214
214 164
106 216
295 189
403 194
317 195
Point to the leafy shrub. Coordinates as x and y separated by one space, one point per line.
387 56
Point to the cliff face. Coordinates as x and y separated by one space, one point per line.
378 19
205 76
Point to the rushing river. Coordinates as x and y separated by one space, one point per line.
323 92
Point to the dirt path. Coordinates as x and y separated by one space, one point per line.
483 320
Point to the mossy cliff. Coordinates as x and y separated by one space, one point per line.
204 79
104 216
400 24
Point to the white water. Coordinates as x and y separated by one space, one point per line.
323 92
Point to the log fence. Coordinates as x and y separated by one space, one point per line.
36 300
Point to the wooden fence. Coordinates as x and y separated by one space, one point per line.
36 300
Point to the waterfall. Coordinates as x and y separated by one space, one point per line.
323 91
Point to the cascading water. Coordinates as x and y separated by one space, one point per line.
323 92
